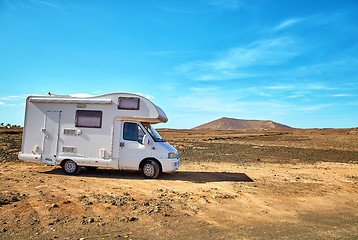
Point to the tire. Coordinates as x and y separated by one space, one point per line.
90 168
150 169
69 167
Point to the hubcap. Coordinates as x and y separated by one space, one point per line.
70 166
148 170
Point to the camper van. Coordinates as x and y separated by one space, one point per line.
112 130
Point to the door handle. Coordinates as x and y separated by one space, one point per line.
44 132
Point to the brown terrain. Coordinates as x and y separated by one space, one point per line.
279 183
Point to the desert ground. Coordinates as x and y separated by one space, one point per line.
237 184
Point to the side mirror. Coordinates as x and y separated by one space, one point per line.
145 140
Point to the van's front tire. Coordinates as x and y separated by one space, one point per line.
150 169
69 167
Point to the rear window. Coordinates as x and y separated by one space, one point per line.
128 103
90 119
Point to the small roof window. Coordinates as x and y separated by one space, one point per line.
130 103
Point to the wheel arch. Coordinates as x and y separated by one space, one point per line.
153 159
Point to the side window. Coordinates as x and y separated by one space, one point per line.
90 119
133 132
130 131
126 103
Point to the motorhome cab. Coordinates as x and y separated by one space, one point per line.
112 130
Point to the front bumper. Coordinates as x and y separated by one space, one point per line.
170 164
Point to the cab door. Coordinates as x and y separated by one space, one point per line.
131 148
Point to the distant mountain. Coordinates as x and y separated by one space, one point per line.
233 123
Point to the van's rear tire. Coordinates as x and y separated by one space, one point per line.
69 167
150 169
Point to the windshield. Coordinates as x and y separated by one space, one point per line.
155 135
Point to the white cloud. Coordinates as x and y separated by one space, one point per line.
12 98
264 94
319 86
9 104
204 90
280 87
234 63
264 52
288 23
205 7
314 107
206 103
226 4
46 3
81 95
341 95
228 104
296 96
145 95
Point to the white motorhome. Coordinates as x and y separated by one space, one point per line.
112 130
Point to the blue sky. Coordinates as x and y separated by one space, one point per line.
293 62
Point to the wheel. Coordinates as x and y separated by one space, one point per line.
150 169
90 168
70 168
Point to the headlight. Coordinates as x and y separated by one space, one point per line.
172 155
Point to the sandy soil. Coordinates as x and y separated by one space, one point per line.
231 185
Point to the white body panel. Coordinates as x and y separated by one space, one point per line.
51 136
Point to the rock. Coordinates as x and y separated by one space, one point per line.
131 219
54 205
91 220
82 197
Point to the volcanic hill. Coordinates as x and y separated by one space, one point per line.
233 123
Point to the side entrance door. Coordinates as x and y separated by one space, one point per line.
131 150
51 133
